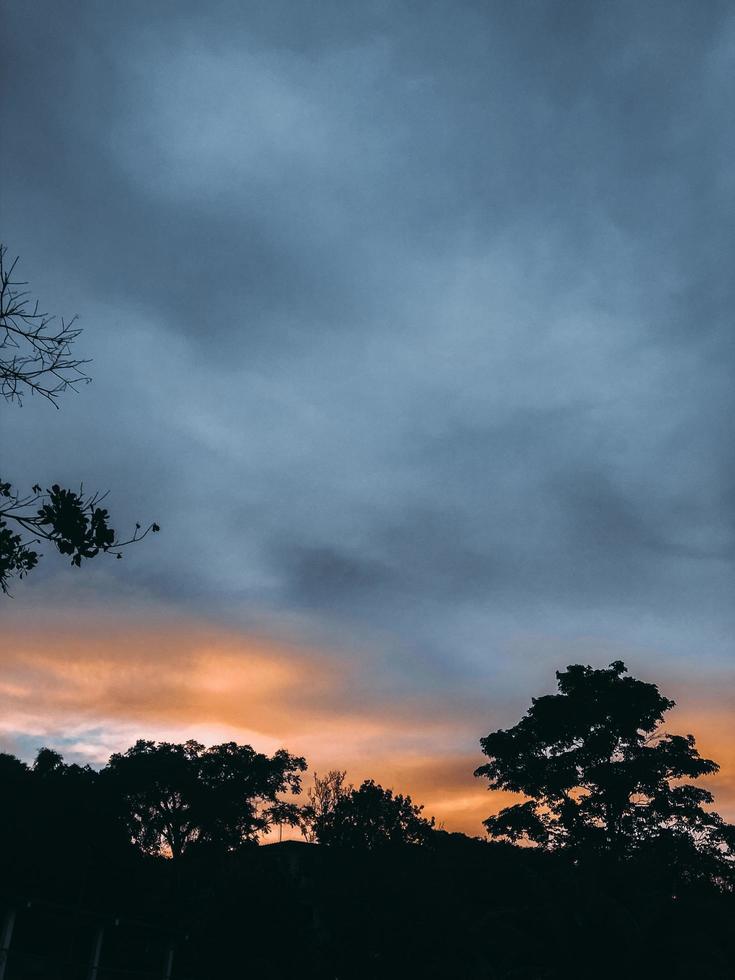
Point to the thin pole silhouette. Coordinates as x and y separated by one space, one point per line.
168 967
94 963
8 924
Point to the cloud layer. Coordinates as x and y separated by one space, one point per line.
94 691
411 324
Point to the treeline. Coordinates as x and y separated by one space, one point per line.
170 799
629 870
361 906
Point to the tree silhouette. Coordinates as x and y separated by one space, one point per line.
369 817
178 795
601 774
322 798
36 358
70 867
35 354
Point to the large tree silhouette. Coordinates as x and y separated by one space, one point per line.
178 795
602 775
36 358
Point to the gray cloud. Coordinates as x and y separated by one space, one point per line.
411 321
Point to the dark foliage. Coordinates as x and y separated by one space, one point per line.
85 859
177 796
369 817
322 798
603 777
76 525
455 908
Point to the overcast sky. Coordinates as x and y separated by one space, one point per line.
412 325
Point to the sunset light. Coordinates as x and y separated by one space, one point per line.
367 387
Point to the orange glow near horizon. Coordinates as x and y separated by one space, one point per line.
100 685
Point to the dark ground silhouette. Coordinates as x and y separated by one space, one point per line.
152 868
460 908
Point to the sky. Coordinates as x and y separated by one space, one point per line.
412 326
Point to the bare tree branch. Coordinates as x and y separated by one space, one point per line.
35 350
36 357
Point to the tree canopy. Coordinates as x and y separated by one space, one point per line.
89 851
176 795
367 817
322 798
602 775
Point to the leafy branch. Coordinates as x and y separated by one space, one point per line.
77 525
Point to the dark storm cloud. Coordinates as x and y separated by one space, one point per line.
413 320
